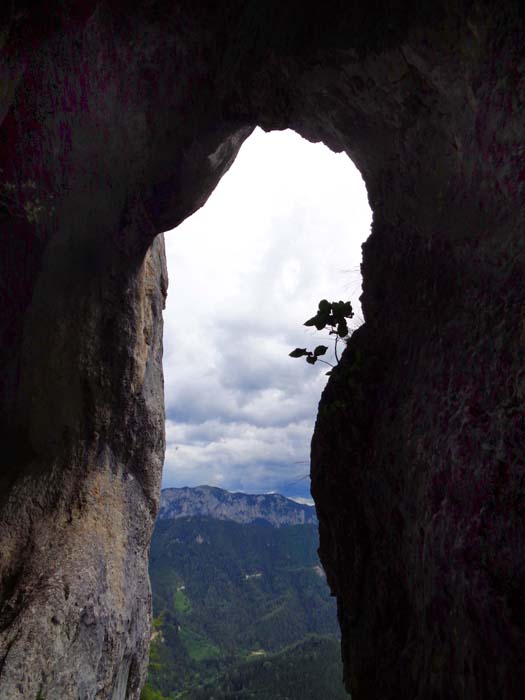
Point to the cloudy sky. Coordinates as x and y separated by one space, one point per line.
282 230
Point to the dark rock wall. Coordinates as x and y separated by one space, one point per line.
417 457
118 121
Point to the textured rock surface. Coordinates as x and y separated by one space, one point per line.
117 122
241 508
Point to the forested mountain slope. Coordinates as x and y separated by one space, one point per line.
240 609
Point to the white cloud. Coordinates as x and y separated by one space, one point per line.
282 230
301 499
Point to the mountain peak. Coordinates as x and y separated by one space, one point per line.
214 502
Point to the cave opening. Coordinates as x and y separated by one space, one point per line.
282 230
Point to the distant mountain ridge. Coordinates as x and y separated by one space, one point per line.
243 508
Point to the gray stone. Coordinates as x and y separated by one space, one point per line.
213 502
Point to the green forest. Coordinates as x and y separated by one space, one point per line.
240 611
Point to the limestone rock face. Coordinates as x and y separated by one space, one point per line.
117 122
212 502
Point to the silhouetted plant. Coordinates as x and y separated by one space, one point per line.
333 314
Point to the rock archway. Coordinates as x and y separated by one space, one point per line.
117 122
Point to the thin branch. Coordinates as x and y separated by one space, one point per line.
298 480
326 363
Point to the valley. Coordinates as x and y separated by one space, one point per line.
241 609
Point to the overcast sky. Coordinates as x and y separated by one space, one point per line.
282 230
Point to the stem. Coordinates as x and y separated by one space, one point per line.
326 363
335 349
298 480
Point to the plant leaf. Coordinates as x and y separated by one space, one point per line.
347 310
298 352
342 329
311 359
320 350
